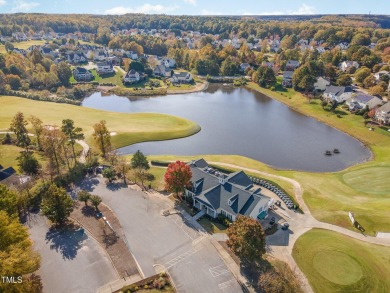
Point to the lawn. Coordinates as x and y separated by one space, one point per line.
212 227
336 263
23 45
130 128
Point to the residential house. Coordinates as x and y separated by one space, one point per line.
181 77
82 74
291 65
104 68
337 93
132 76
228 195
268 64
382 114
169 62
76 58
9 178
362 101
342 46
344 66
162 70
321 84
380 74
287 78
244 66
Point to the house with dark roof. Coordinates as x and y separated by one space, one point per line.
337 93
229 195
181 77
291 65
162 70
82 74
104 67
9 178
287 78
361 101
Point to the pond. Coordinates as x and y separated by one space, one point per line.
239 121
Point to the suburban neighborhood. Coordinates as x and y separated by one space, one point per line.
158 148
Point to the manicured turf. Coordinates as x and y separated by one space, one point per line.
336 263
373 180
130 128
23 45
212 227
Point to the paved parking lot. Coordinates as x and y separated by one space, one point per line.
171 241
70 260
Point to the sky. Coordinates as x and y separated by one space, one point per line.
199 7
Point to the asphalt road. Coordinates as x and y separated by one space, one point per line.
70 261
189 256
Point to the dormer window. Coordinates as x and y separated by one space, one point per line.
232 199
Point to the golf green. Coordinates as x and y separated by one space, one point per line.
333 262
372 180
337 267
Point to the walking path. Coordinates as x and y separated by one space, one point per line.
300 224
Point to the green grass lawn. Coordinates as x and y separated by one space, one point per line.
130 128
336 263
23 45
9 154
212 227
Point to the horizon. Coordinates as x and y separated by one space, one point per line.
196 7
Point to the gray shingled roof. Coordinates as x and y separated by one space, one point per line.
212 193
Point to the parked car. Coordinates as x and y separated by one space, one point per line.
285 226
272 221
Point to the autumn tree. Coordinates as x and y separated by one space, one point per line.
102 137
246 239
64 73
53 141
140 164
178 177
17 256
18 126
95 201
266 76
72 133
344 80
56 204
37 125
84 196
121 167
361 74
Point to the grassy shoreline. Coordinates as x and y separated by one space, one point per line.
330 196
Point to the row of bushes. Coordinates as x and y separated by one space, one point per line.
43 97
159 163
129 93
156 282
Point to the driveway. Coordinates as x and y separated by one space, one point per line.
70 261
187 254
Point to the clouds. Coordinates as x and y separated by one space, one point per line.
2 2
304 9
208 12
146 8
23 6
193 2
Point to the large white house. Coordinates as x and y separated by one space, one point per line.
104 67
181 77
132 77
337 93
229 195
345 65
361 101
382 114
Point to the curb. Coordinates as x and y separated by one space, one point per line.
91 235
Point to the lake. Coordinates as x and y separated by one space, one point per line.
239 121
